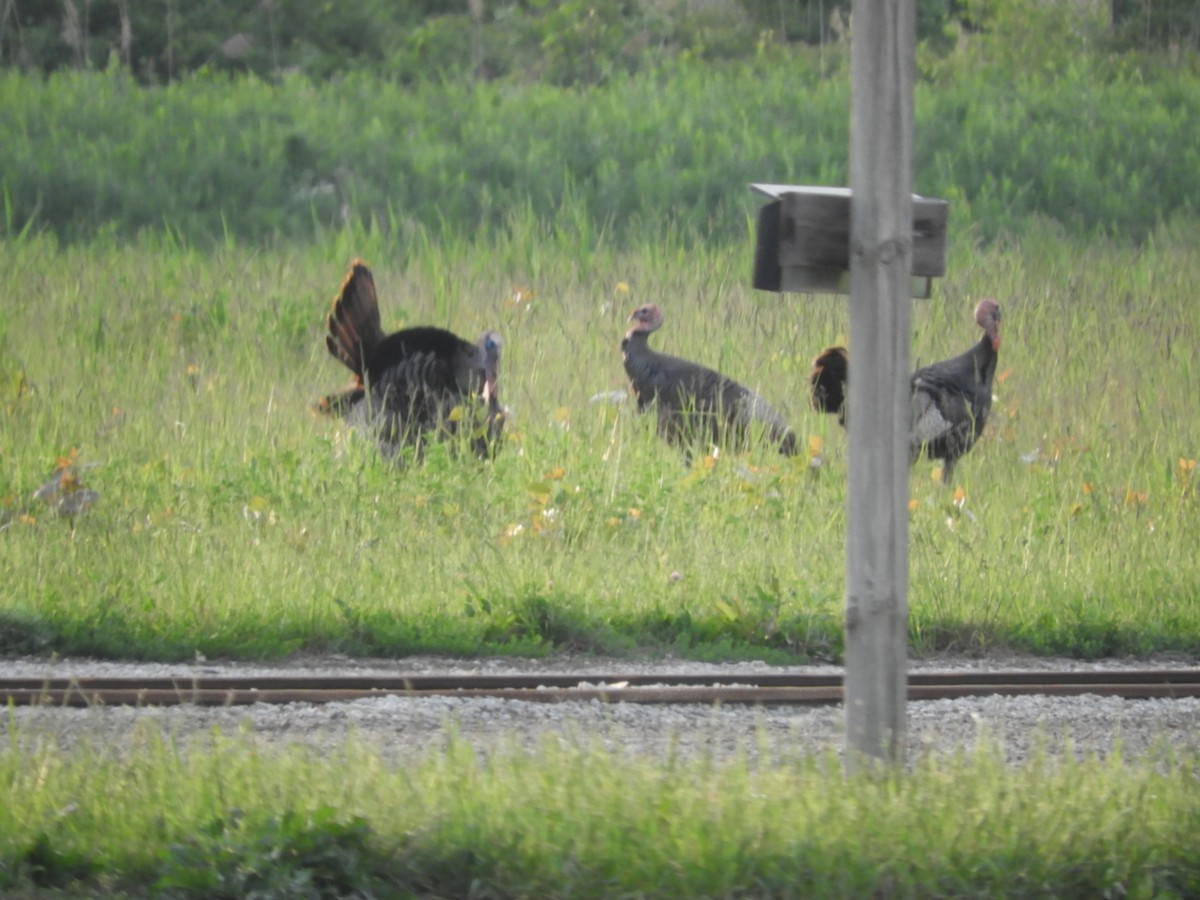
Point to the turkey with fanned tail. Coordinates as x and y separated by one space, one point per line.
694 403
413 385
951 399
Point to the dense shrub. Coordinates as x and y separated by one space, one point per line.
632 113
227 155
210 155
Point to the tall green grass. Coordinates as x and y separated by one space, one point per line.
228 818
232 522
1099 145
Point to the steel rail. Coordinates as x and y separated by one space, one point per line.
663 688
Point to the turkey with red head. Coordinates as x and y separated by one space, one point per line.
411 385
951 399
695 403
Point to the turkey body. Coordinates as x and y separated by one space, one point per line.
694 403
413 385
951 399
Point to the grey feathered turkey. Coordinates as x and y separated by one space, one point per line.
695 403
951 399
413 385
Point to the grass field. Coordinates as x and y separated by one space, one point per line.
235 819
232 522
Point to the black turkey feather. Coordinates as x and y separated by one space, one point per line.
412 385
951 399
695 403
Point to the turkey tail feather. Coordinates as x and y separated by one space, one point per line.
355 328
827 381
339 404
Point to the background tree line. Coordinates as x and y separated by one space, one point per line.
557 41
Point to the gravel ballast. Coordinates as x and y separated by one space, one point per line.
406 727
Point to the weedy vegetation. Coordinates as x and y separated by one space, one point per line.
232 522
230 818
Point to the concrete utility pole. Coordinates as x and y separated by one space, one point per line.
883 41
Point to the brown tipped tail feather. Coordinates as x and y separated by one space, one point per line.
827 381
355 328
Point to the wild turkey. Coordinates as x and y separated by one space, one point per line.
951 399
695 403
414 384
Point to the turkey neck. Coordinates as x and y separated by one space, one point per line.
642 363
985 357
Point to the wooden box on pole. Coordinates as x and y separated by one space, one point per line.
802 243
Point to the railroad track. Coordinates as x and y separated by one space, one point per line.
765 689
